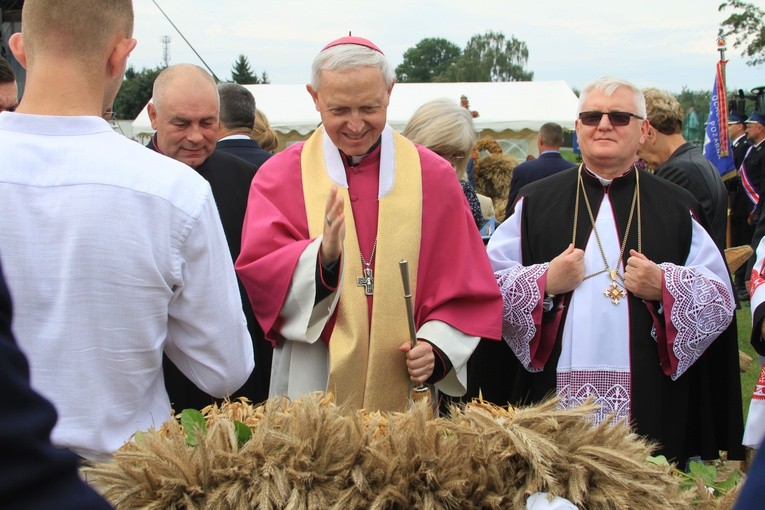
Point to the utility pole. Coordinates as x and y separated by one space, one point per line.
166 50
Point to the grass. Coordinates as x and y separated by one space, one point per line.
569 155
750 377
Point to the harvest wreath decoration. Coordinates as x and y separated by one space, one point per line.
312 453
493 173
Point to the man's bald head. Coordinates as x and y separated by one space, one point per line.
183 77
184 110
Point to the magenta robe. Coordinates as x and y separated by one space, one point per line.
455 283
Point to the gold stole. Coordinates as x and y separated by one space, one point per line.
366 368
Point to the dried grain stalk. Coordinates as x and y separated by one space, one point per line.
311 453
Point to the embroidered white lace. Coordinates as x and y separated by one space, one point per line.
520 295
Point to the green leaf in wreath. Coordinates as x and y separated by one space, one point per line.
730 482
659 460
708 474
194 425
243 433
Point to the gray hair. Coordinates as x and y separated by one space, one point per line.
237 106
608 85
350 56
551 134
444 127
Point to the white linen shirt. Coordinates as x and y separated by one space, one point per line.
113 254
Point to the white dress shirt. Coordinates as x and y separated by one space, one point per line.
113 254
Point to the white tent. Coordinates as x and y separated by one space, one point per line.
506 110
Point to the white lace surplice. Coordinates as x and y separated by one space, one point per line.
595 344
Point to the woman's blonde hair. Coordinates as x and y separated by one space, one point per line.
446 128
263 134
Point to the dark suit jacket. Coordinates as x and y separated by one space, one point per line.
33 473
740 146
740 205
548 163
230 178
248 150
688 168
754 162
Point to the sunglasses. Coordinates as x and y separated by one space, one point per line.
615 118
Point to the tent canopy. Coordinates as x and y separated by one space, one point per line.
501 106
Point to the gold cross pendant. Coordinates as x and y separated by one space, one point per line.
614 293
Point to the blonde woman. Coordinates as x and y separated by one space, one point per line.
262 132
446 128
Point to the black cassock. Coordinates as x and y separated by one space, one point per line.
698 414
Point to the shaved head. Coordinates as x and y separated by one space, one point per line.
82 29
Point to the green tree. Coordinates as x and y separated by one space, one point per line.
747 27
696 101
427 59
243 74
490 57
135 92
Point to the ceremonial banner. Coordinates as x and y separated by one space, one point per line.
717 145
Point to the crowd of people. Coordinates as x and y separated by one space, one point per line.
147 280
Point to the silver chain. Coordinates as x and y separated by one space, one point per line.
371 255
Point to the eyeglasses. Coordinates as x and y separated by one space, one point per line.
453 158
617 119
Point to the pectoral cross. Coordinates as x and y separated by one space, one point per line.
367 281
614 292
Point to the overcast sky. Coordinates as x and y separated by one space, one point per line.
660 43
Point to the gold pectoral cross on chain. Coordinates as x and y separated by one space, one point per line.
367 281
614 292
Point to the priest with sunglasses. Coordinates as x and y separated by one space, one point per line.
613 290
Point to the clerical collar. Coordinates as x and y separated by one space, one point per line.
603 180
356 160
334 161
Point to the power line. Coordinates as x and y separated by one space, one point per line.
186 40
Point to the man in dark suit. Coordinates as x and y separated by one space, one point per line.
33 473
752 173
237 118
753 167
184 111
548 163
739 206
737 133
678 161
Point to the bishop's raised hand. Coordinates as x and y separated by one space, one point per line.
334 228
